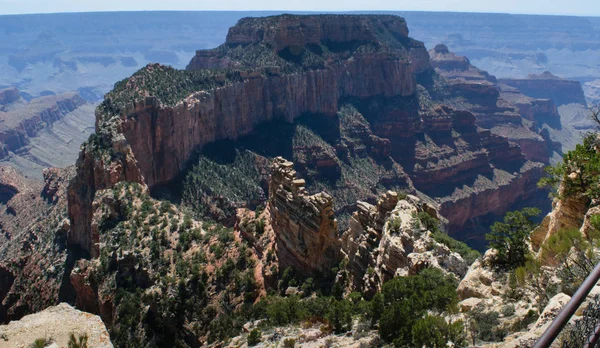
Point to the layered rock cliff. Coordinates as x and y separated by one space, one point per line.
500 108
549 86
21 121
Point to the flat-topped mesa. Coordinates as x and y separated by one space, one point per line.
549 86
539 110
199 106
291 30
305 226
313 42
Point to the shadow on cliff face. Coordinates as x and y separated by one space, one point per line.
229 174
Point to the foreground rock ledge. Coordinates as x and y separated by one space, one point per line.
58 323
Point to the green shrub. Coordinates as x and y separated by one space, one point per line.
485 326
41 343
508 310
433 331
254 337
289 343
429 222
395 224
407 299
81 342
260 226
584 161
574 254
339 316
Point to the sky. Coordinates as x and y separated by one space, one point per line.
556 7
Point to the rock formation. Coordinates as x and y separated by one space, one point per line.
389 240
57 324
305 226
549 86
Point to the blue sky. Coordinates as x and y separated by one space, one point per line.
569 7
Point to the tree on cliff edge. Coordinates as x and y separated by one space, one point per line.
509 238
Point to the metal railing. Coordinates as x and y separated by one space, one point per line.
586 332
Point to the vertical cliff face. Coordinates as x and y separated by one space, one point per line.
305 226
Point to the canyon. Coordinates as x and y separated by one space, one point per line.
330 151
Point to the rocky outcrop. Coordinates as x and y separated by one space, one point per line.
549 86
388 240
568 212
97 169
305 226
56 324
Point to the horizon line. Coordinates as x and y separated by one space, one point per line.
304 11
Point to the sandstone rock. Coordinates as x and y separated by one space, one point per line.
480 280
56 323
527 339
148 137
568 212
305 226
